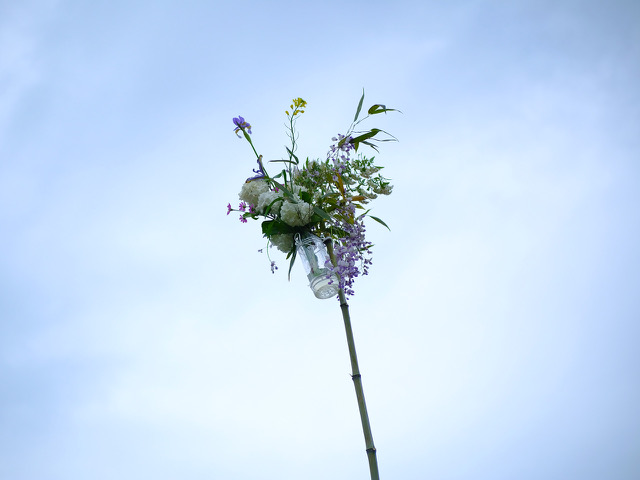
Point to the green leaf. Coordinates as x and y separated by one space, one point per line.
267 225
324 215
291 154
372 133
365 136
268 209
293 260
338 232
370 145
305 196
359 106
282 161
377 108
315 219
380 222
285 190
275 227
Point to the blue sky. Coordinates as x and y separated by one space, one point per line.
142 335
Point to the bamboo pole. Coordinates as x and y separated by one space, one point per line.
356 377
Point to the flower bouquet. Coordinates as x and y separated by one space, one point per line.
308 203
315 210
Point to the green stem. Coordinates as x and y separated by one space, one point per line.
248 138
356 377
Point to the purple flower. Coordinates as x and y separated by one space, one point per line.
242 219
339 154
350 253
229 209
273 267
242 207
241 124
259 171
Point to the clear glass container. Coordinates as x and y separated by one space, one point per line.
313 254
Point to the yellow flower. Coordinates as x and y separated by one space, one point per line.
296 107
298 102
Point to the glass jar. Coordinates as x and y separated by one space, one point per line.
313 254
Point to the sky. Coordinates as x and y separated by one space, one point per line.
142 333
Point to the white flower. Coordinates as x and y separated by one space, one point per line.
296 214
266 199
283 242
367 172
252 190
386 190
